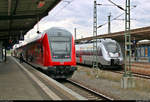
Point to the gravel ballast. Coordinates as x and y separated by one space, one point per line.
110 83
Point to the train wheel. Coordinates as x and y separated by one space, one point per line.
100 66
64 79
92 64
121 67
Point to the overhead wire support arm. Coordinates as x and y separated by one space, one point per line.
115 18
116 5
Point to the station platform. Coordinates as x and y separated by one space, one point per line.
15 84
20 81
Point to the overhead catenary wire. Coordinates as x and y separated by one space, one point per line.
115 18
116 5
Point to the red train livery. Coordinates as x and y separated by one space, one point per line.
53 51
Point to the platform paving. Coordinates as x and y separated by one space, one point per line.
16 85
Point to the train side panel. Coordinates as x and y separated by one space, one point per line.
85 54
53 52
73 59
34 53
47 55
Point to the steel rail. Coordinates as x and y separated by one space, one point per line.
122 72
90 90
135 74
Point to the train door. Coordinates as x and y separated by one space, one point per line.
39 53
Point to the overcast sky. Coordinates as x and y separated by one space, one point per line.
79 14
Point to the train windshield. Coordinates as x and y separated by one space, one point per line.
112 47
60 47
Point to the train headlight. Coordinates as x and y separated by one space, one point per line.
55 56
67 56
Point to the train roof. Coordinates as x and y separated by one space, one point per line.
56 31
98 40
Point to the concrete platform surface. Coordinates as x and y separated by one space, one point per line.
16 85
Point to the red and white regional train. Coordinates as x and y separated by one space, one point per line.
53 51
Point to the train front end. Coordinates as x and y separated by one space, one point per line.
112 54
62 62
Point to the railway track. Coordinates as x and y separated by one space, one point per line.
51 88
83 90
88 93
135 74
122 72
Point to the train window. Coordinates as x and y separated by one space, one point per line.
60 46
111 47
99 51
41 49
77 54
39 46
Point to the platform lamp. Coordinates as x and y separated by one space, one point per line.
38 31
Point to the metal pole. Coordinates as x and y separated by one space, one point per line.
127 40
5 53
2 54
38 30
95 58
21 36
109 28
95 63
75 33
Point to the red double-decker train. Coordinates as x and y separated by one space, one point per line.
53 51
